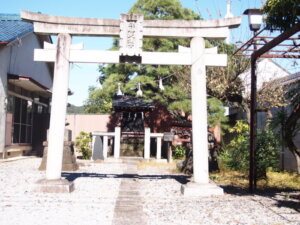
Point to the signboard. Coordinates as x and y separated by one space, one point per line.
131 35
168 136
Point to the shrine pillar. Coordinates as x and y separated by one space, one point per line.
58 107
199 112
147 143
117 142
200 185
158 148
105 146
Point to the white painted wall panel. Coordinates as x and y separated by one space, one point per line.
21 61
4 59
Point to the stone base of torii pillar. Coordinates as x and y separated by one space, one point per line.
60 185
193 189
54 186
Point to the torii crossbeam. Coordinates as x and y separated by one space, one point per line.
131 29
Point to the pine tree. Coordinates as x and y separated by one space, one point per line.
175 79
176 96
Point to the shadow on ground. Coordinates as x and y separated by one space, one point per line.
288 198
183 179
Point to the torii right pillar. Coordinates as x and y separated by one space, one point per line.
200 185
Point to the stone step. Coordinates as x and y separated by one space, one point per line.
130 193
128 199
131 159
128 208
128 221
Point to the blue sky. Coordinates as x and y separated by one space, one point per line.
84 75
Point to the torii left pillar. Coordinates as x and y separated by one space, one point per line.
54 182
200 185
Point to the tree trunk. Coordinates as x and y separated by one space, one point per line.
269 118
298 162
246 108
290 128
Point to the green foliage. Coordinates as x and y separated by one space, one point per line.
179 152
267 152
235 155
281 14
176 79
216 113
83 143
223 83
162 9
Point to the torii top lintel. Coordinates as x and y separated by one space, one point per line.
52 25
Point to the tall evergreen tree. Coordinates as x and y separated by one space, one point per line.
176 95
175 79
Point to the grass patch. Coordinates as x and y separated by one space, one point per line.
232 178
278 180
282 180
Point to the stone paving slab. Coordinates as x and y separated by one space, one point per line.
129 207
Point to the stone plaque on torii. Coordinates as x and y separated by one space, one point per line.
131 29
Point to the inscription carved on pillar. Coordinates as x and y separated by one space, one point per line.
131 34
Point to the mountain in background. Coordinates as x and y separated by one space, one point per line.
73 109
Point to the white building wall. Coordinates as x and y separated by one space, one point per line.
4 61
267 70
17 58
21 60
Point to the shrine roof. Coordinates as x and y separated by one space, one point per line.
12 27
131 103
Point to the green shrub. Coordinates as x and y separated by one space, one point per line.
83 143
179 152
267 152
235 155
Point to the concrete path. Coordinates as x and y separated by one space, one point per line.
129 207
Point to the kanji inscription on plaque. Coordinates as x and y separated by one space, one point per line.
131 35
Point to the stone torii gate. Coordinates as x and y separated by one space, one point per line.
131 29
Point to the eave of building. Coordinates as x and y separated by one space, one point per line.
132 109
29 84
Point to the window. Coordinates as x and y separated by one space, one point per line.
22 119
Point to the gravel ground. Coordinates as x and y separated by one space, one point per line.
96 192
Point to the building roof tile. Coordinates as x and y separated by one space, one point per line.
12 27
